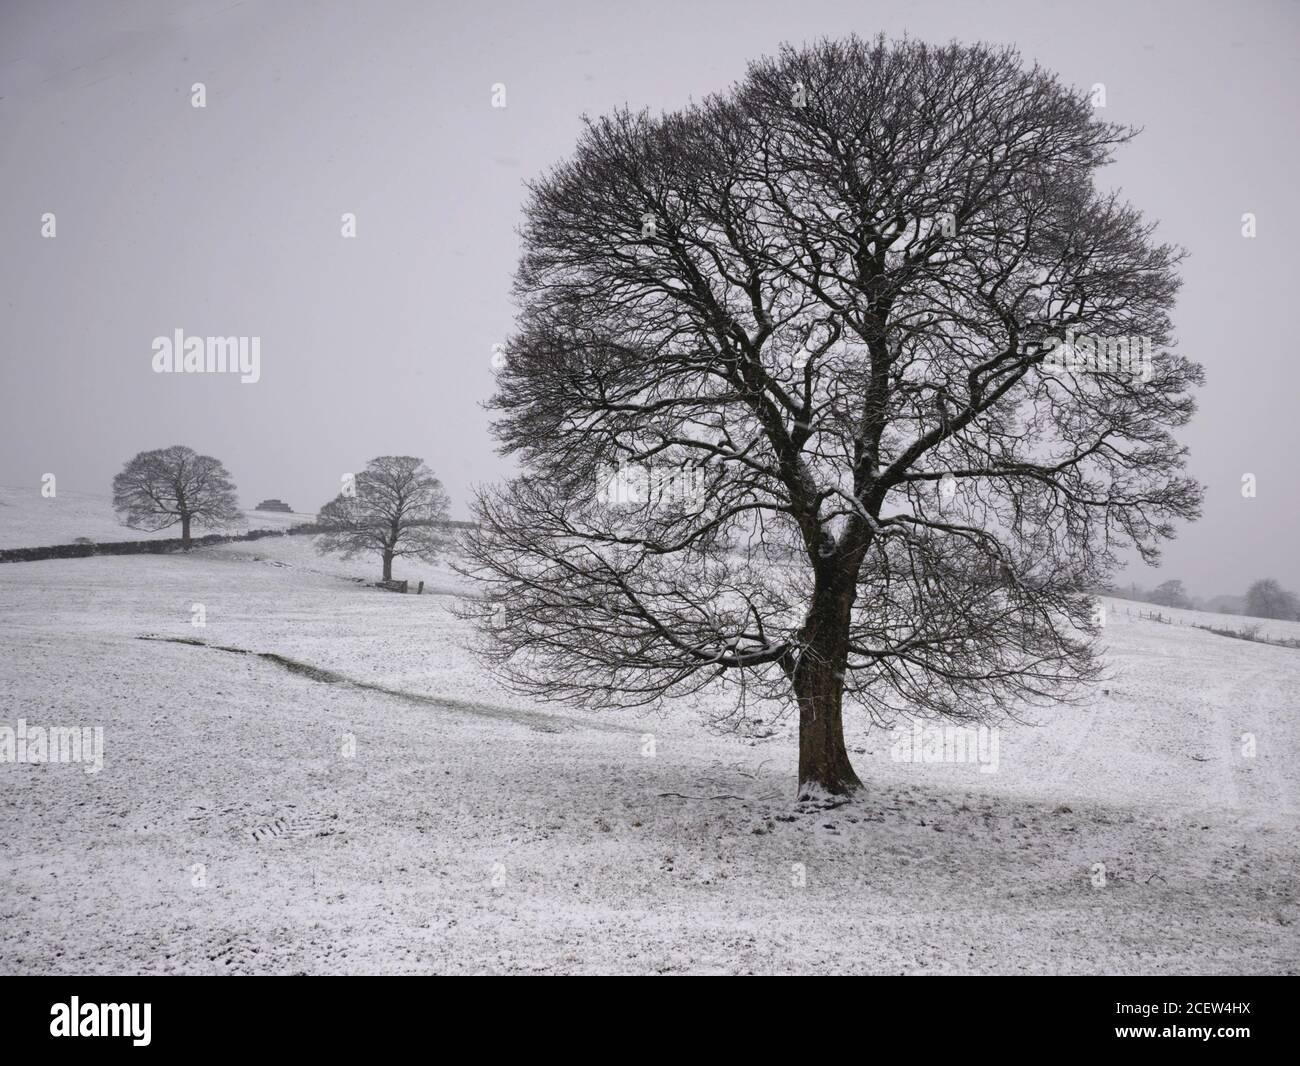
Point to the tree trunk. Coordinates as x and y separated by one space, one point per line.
185 532
388 566
823 759
819 687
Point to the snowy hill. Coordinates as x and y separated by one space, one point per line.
472 830
29 520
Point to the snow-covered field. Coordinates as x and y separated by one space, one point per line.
475 831
30 520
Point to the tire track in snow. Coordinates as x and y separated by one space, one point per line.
544 722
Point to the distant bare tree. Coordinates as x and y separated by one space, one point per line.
864 306
397 509
160 488
1268 599
1170 594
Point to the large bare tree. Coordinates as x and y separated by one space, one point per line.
912 365
160 488
393 508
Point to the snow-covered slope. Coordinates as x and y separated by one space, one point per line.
473 830
30 520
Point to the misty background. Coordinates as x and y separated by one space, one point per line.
226 220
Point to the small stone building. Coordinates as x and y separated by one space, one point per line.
273 505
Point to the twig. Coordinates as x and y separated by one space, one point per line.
724 796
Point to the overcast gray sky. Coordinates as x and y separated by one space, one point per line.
226 220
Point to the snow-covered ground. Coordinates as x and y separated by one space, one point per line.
473 830
30 520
